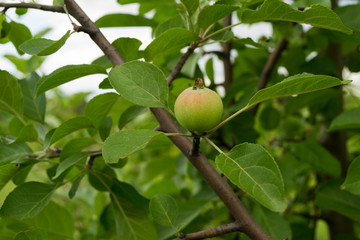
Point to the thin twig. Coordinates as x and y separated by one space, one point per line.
181 62
50 8
269 67
212 232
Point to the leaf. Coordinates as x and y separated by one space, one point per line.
329 196
352 181
348 120
209 68
211 14
28 134
298 84
129 114
35 234
13 151
191 6
131 222
18 34
27 200
69 162
350 15
121 144
318 157
164 209
66 74
105 128
75 145
98 107
34 107
11 99
273 223
55 220
172 22
75 186
124 20
128 48
43 46
250 167
141 83
70 126
174 38
276 10
7 172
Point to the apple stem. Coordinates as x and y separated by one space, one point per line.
198 84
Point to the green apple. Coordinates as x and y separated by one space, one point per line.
198 109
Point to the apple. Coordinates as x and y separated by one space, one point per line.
198 108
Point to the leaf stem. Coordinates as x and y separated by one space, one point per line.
228 119
219 31
213 144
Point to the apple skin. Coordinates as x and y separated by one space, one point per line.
198 109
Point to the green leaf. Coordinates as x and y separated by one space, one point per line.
55 220
66 74
18 34
329 196
251 167
173 22
128 48
131 222
11 99
28 134
70 126
43 46
98 107
214 13
76 145
7 172
352 181
164 209
105 128
174 38
141 83
191 6
35 234
13 151
75 186
318 157
350 15
34 107
124 20
129 114
121 144
276 10
209 68
273 223
298 84
27 200
69 162
348 120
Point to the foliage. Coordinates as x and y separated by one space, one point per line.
73 168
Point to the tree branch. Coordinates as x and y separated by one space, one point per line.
181 62
269 67
100 40
212 232
55 8
226 58
167 124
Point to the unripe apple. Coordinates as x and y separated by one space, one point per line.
198 109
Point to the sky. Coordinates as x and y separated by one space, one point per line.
80 49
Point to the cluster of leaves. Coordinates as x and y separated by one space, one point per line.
289 181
